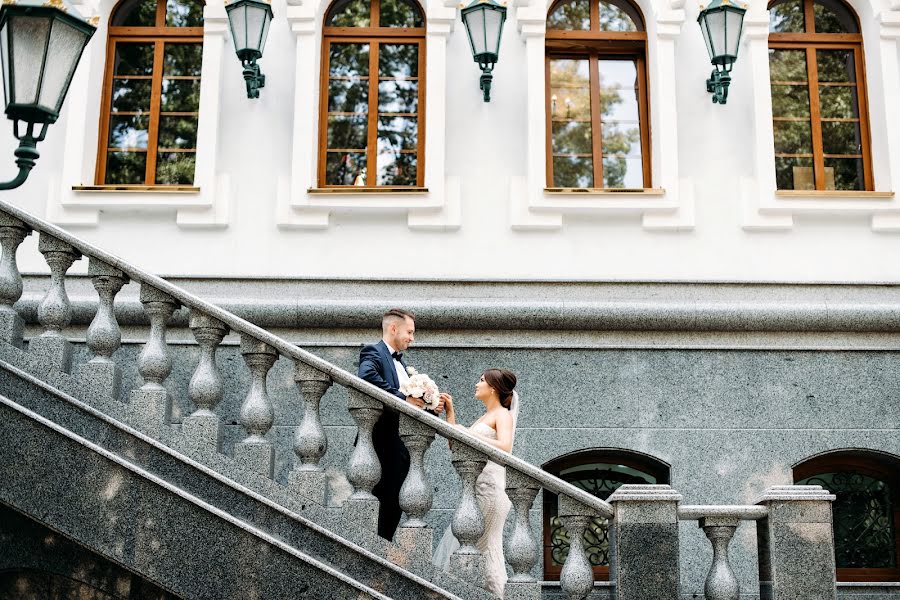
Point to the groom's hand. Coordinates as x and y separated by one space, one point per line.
417 402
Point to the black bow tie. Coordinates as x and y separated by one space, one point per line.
397 356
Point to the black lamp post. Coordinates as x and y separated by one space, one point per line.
249 20
40 46
721 23
484 23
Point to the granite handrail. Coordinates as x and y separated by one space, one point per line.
749 512
549 482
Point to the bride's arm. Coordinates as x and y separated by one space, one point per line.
504 428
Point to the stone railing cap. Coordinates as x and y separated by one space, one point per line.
796 492
638 493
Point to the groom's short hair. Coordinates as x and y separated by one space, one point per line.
397 313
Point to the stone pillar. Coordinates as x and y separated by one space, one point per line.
104 336
151 407
519 547
796 544
644 542
416 494
363 468
205 388
577 575
12 233
308 479
468 521
257 413
51 348
721 584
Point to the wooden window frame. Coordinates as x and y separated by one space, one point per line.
873 465
160 35
810 41
375 36
646 464
596 45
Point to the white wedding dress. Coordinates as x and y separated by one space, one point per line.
490 493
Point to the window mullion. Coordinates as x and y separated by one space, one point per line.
155 102
862 109
815 117
372 138
596 126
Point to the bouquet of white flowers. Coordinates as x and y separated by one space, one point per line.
420 385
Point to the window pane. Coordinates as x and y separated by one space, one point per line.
573 171
183 59
175 168
400 13
128 131
787 65
180 95
619 104
622 172
126 168
131 95
836 65
135 13
793 137
787 17
348 95
862 519
395 168
575 14
134 58
347 133
841 137
345 168
790 101
621 138
398 133
184 13
177 132
349 13
615 18
832 16
347 60
398 96
571 137
794 173
399 61
839 102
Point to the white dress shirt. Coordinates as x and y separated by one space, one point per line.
402 375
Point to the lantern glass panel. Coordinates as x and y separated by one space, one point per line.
29 43
238 18
733 22
256 18
265 30
66 45
475 27
715 22
4 52
706 37
493 22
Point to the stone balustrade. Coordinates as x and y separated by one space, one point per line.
643 519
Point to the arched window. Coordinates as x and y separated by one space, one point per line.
597 118
371 119
598 472
866 513
151 96
819 113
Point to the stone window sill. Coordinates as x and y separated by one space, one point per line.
610 192
368 190
832 195
135 196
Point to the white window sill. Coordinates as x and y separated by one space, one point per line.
108 197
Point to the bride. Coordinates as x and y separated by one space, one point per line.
496 427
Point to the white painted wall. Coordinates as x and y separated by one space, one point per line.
489 218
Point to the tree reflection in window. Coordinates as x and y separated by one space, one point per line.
599 473
596 104
818 97
371 122
149 128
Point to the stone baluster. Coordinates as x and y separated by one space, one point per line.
644 542
151 406
205 388
308 479
520 548
721 583
55 312
468 520
796 544
416 494
257 413
577 575
12 233
363 468
104 336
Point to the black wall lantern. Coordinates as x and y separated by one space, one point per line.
249 20
721 23
484 23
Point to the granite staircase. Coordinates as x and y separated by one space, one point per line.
106 467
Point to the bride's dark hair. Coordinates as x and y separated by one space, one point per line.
504 381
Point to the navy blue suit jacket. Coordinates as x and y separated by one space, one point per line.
377 367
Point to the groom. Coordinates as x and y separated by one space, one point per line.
382 365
